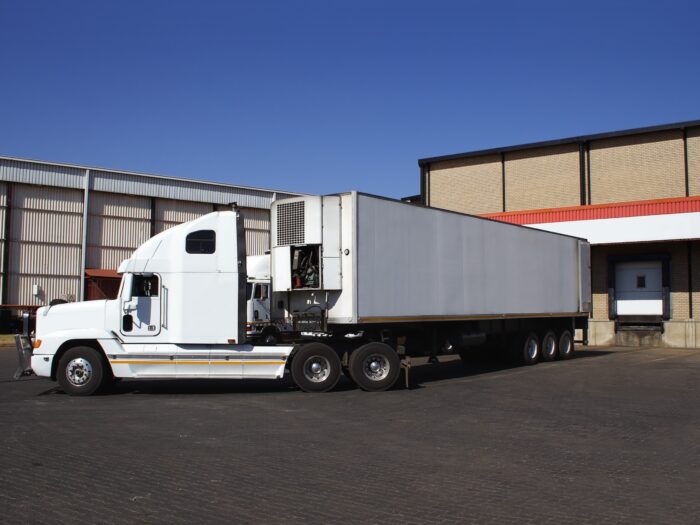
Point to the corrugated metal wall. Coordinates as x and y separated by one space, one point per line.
171 212
257 230
45 237
45 216
117 224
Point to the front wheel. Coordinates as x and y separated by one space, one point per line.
315 368
80 371
374 367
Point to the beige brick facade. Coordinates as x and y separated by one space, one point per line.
637 167
543 178
694 160
467 185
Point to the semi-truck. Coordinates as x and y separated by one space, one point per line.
361 284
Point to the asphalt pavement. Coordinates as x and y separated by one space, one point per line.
612 436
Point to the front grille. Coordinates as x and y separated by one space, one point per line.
290 223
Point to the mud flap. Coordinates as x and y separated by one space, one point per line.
24 353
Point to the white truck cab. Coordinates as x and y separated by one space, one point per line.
265 321
180 313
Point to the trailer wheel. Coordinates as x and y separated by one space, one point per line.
549 346
566 345
315 368
374 367
80 371
526 348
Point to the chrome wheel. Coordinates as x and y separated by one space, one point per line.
550 347
376 367
317 369
78 371
532 348
566 346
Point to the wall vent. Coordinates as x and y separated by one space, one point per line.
290 223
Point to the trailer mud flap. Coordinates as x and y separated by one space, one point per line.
24 354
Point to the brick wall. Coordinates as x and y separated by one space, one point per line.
694 160
637 167
467 185
543 178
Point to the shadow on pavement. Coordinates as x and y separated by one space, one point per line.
478 364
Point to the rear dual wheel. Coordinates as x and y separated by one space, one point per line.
374 367
315 368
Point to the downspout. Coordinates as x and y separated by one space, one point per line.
423 186
83 244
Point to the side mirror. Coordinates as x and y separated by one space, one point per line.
127 323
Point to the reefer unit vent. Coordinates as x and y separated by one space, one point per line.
290 223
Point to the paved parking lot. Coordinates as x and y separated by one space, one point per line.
611 436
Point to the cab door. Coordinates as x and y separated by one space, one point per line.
261 302
141 310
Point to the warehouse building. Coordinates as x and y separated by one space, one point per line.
64 229
634 194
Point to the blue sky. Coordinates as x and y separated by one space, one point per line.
326 96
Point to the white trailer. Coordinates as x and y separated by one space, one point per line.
365 282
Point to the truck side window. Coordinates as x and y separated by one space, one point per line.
201 241
261 291
145 286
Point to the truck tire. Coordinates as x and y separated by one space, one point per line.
374 367
548 352
526 348
315 368
566 345
80 371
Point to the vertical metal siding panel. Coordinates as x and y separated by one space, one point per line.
20 289
257 242
116 225
45 226
106 258
43 198
255 219
117 232
44 259
28 172
180 211
119 205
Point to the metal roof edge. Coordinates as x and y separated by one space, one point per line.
147 175
558 142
